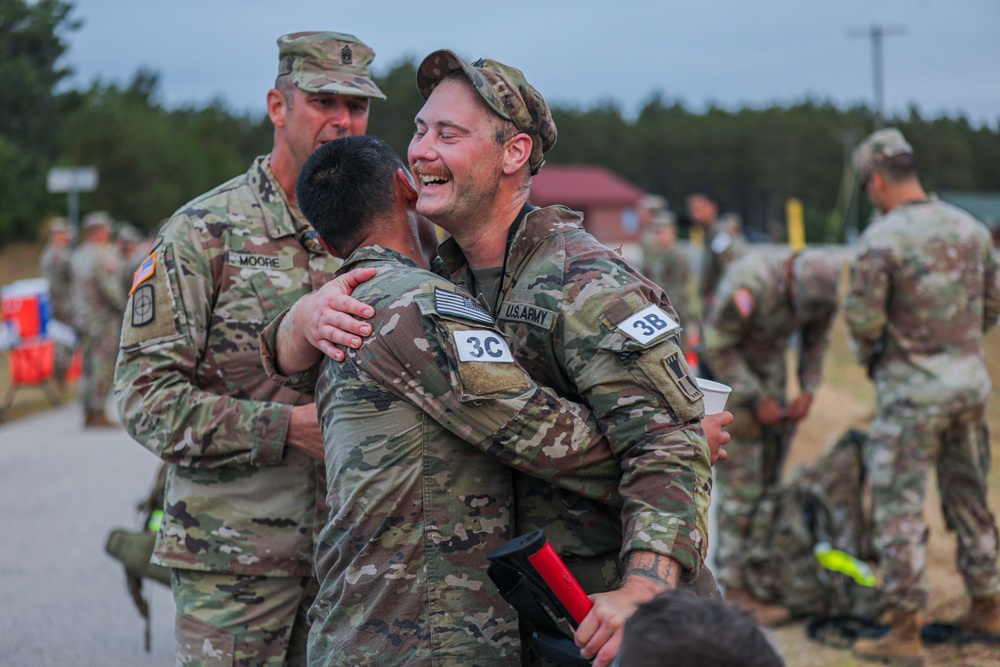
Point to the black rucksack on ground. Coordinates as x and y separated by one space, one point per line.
828 504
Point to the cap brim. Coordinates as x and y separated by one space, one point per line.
356 86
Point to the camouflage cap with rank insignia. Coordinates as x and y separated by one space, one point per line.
327 62
504 89
877 149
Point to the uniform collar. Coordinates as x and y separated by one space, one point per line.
281 218
375 253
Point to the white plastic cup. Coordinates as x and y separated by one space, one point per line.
716 395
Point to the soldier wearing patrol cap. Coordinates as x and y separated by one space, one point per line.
98 301
763 299
244 489
924 291
579 320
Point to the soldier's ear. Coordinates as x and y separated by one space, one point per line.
404 184
277 105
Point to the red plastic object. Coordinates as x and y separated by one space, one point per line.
562 582
75 367
32 362
25 313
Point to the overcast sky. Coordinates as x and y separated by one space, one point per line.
731 52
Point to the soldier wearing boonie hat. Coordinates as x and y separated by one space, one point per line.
924 291
244 491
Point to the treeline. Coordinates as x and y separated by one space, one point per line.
152 159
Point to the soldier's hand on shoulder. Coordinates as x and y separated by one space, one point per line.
330 317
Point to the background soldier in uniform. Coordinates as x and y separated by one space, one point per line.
244 488
667 265
761 302
57 270
924 291
98 301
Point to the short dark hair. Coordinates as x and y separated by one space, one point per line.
678 629
345 186
899 168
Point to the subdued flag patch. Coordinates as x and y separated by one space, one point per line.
144 272
450 303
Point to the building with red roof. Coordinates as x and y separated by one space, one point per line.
610 204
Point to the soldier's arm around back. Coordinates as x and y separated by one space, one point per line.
178 398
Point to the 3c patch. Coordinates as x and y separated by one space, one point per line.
143 306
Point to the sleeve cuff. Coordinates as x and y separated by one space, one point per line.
269 437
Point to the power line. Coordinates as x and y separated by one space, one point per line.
876 32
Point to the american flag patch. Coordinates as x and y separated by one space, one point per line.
450 303
744 301
145 270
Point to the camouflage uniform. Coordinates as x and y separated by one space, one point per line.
669 268
240 505
574 313
924 291
191 388
746 338
57 270
98 302
724 244
448 504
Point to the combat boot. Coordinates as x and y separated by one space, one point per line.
766 615
901 646
97 420
983 616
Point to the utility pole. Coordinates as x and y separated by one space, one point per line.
876 32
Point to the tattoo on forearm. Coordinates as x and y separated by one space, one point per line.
657 567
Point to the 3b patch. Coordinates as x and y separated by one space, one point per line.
648 324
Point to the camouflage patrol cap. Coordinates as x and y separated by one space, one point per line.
504 89
58 224
663 219
878 148
327 62
128 233
96 219
815 276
